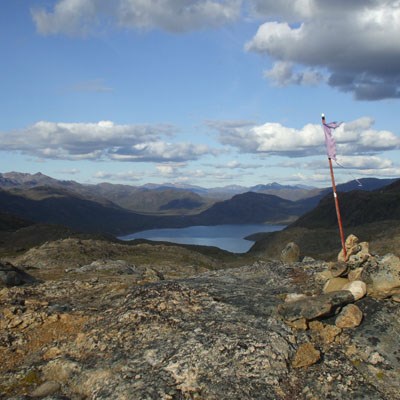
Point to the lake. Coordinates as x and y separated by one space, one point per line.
226 237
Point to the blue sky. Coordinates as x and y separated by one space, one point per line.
202 92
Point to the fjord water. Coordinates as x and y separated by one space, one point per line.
226 237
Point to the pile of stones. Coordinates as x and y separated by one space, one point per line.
344 282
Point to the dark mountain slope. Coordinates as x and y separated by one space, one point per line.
367 184
18 235
11 223
72 211
356 207
248 208
189 202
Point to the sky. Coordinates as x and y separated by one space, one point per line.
200 92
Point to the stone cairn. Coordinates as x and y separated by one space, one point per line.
345 282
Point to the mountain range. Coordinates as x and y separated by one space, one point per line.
120 209
175 198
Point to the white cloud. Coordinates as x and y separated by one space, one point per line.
234 164
356 42
352 162
166 170
282 74
315 178
70 171
170 169
82 17
71 17
176 172
366 162
353 43
356 137
292 10
272 138
100 141
118 176
383 173
157 151
193 175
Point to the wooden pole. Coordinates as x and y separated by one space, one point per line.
339 218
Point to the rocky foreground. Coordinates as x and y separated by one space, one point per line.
269 330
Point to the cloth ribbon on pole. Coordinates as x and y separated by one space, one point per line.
331 151
329 139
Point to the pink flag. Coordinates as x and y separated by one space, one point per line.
329 140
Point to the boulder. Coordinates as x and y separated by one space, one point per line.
357 288
291 253
382 276
350 317
12 276
316 306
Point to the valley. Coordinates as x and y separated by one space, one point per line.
86 315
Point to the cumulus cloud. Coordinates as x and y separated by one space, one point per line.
82 17
354 138
354 42
100 141
160 151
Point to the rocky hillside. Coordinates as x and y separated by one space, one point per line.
104 328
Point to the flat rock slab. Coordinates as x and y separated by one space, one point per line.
213 336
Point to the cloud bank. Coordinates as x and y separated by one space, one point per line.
353 138
351 44
103 140
83 17
355 43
